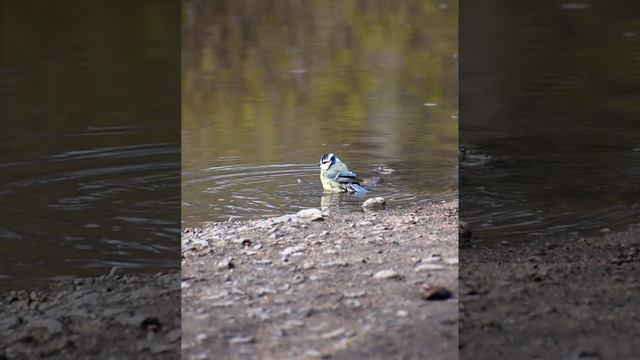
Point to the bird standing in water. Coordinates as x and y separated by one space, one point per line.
336 177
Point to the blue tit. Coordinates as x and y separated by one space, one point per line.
336 177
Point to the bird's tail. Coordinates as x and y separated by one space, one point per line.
358 188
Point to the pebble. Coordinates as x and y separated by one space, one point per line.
333 334
10 322
313 353
355 294
464 230
226 264
376 203
433 258
352 303
431 293
292 250
222 304
312 214
115 271
387 274
428 267
336 263
385 170
216 296
262 291
53 326
451 261
174 335
156 348
241 340
151 323
402 313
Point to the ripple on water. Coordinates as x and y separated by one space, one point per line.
244 191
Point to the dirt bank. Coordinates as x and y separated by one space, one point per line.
355 286
120 316
571 298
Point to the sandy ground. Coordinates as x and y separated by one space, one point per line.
571 298
355 286
118 316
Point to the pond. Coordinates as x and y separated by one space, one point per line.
550 110
89 152
269 86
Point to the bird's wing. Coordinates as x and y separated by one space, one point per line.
345 177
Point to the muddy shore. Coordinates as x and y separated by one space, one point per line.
572 298
116 316
374 285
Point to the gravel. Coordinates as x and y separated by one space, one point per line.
340 288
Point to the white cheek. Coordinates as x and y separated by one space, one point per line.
324 166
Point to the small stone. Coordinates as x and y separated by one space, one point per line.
174 335
352 303
312 214
226 264
151 324
115 271
53 326
333 334
587 355
161 348
428 267
219 304
464 230
387 274
355 294
216 296
10 322
433 258
292 250
313 353
376 203
242 340
451 261
385 170
402 313
433 293
262 291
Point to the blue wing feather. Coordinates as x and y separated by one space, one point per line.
358 188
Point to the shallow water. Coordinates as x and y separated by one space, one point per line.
89 151
554 106
268 88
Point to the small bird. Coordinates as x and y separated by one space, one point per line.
336 177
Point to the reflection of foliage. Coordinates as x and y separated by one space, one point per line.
79 63
268 75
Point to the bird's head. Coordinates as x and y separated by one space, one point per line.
326 160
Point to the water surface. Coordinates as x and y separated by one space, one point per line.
554 105
269 86
89 147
